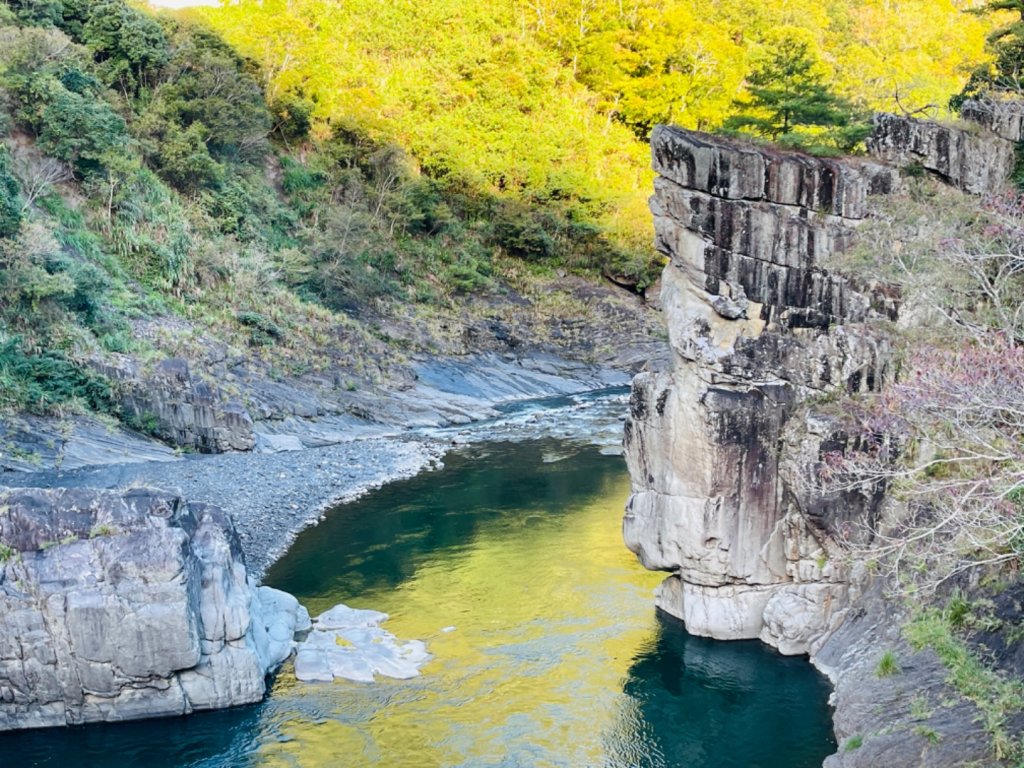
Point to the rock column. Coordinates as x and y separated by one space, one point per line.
757 327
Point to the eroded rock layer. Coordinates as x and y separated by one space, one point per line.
758 327
976 161
126 606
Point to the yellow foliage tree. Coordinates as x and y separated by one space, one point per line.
544 99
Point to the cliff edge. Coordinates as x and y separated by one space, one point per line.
724 449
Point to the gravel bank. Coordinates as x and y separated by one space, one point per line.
274 496
270 496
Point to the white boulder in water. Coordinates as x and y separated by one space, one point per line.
349 643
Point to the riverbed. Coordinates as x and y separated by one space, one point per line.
547 650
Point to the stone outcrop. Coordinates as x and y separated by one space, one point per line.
757 326
725 449
182 409
973 159
125 606
1004 118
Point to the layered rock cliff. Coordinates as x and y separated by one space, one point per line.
724 449
757 326
124 606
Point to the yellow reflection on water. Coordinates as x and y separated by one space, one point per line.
548 610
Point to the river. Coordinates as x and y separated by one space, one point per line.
547 649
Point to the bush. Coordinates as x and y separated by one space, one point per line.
517 232
42 383
183 160
292 116
10 197
264 331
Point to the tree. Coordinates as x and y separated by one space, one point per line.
1006 71
128 45
947 440
80 129
1014 28
10 198
787 89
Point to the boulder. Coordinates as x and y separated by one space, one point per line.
120 606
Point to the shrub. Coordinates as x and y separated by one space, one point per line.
887 665
292 115
517 232
10 197
41 383
264 331
183 159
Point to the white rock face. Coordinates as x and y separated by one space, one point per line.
348 643
755 326
118 607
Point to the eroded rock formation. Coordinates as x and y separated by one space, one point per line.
724 449
125 606
757 326
976 161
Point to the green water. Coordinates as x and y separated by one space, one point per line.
553 654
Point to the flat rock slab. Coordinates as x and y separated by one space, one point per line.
349 644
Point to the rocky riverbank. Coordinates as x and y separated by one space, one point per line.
179 579
121 606
270 497
272 494
725 448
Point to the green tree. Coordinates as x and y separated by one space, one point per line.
10 198
80 129
788 89
38 12
129 45
1006 71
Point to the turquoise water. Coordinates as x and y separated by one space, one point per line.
547 648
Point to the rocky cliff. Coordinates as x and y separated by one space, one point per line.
724 448
757 326
123 606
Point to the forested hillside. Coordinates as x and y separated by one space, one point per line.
291 177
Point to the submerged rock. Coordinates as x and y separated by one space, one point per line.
348 643
126 606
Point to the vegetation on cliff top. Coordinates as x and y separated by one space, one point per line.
268 171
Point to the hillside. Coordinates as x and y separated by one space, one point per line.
325 192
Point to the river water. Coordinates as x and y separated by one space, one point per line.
547 650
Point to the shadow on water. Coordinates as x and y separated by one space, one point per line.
206 740
700 702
